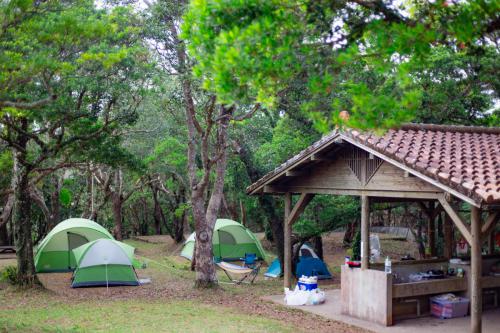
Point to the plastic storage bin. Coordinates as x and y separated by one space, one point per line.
449 309
307 286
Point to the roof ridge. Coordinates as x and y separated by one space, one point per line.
450 128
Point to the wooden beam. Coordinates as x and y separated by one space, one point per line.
287 231
281 189
457 220
365 232
432 211
476 271
294 173
490 223
411 171
299 207
274 189
426 287
319 158
395 200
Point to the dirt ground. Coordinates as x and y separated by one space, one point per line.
172 280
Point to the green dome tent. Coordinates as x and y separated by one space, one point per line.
53 253
104 262
231 240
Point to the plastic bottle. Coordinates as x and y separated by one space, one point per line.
388 265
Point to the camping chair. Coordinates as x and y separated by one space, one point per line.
250 260
244 272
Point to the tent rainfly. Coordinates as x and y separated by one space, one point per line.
53 253
104 262
231 240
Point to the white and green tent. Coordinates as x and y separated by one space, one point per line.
231 240
54 252
104 262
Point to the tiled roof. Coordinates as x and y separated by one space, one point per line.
463 158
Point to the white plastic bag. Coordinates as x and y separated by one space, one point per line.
316 297
304 297
296 297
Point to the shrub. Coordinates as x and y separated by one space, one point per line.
9 274
356 246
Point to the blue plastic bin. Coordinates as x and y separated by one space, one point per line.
307 286
449 309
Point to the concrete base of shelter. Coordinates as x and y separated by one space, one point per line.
331 310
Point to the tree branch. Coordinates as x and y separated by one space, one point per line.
28 105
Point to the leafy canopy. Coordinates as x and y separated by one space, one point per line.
250 51
75 72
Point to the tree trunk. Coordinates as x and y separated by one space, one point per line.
178 228
7 210
420 238
179 221
350 231
203 256
117 216
204 216
277 231
93 215
205 270
243 214
158 215
145 224
317 243
55 204
21 214
88 209
5 217
4 236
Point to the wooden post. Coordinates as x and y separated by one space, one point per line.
365 232
287 230
491 242
448 237
476 264
431 229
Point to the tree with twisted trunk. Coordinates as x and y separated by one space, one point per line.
59 96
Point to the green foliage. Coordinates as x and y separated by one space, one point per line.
65 197
459 87
170 152
257 36
253 50
356 246
75 71
326 213
289 138
181 209
6 164
9 274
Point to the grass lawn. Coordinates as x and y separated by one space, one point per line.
132 316
168 304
